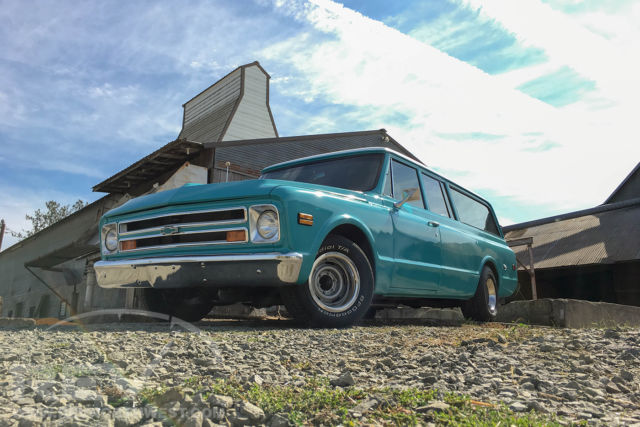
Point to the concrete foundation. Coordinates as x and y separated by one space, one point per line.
17 323
436 316
569 313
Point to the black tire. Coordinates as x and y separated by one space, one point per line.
339 290
370 314
190 304
483 306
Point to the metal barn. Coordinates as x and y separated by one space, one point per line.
593 254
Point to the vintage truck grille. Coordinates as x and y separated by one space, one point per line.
215 217
183 229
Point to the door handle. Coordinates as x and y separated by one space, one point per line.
433 224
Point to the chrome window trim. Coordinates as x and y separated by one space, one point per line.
209 223
178 245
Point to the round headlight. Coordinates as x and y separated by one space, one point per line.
111 240
267 224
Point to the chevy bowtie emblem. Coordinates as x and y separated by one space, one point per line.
167 231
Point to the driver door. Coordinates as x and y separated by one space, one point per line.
416 238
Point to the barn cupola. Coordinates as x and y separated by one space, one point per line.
235 107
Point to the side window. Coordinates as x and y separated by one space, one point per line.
387 183
405 181
473 213
433 191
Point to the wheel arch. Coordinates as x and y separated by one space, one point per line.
359 237
491 263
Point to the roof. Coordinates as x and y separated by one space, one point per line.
66 253
227 75
601 235
64 220
166 158
335 154
629 187
252 155
257 154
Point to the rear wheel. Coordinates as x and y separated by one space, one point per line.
483 306
339 289
190 304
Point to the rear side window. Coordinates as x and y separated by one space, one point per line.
473 213
405 181
433 191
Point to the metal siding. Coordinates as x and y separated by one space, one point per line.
209 127
223 92
220 175
251 119
17 285
259 156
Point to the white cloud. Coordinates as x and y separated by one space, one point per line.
124 95
349 59
612 60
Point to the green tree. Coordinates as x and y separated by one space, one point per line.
53 213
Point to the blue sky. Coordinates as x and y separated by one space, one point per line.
532 104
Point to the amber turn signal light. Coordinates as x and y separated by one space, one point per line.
236 236
305 219
128 245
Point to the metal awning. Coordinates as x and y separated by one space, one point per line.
151 167
64 254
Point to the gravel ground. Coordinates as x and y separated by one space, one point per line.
110 374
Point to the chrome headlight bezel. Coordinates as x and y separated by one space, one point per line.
255 214
108 230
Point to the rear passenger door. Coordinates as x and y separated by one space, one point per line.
465 245
416 237
455 245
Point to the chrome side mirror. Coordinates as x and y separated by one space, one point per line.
405 199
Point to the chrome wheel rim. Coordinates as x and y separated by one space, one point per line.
334 282
492 297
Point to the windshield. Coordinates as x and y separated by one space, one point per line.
359 173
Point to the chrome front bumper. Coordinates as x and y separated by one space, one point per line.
268 269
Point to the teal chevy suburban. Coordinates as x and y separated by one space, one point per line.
332 237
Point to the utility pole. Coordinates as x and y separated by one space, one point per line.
2 227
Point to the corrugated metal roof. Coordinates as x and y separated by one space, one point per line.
257 154
603 235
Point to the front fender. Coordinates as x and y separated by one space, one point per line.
329 210
331 224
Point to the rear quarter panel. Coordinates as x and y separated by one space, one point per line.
470 249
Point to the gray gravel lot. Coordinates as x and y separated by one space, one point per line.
95 375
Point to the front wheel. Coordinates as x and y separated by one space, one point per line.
483 306
339 290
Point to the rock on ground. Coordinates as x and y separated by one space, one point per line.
96 376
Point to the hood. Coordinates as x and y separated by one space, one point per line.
191 193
